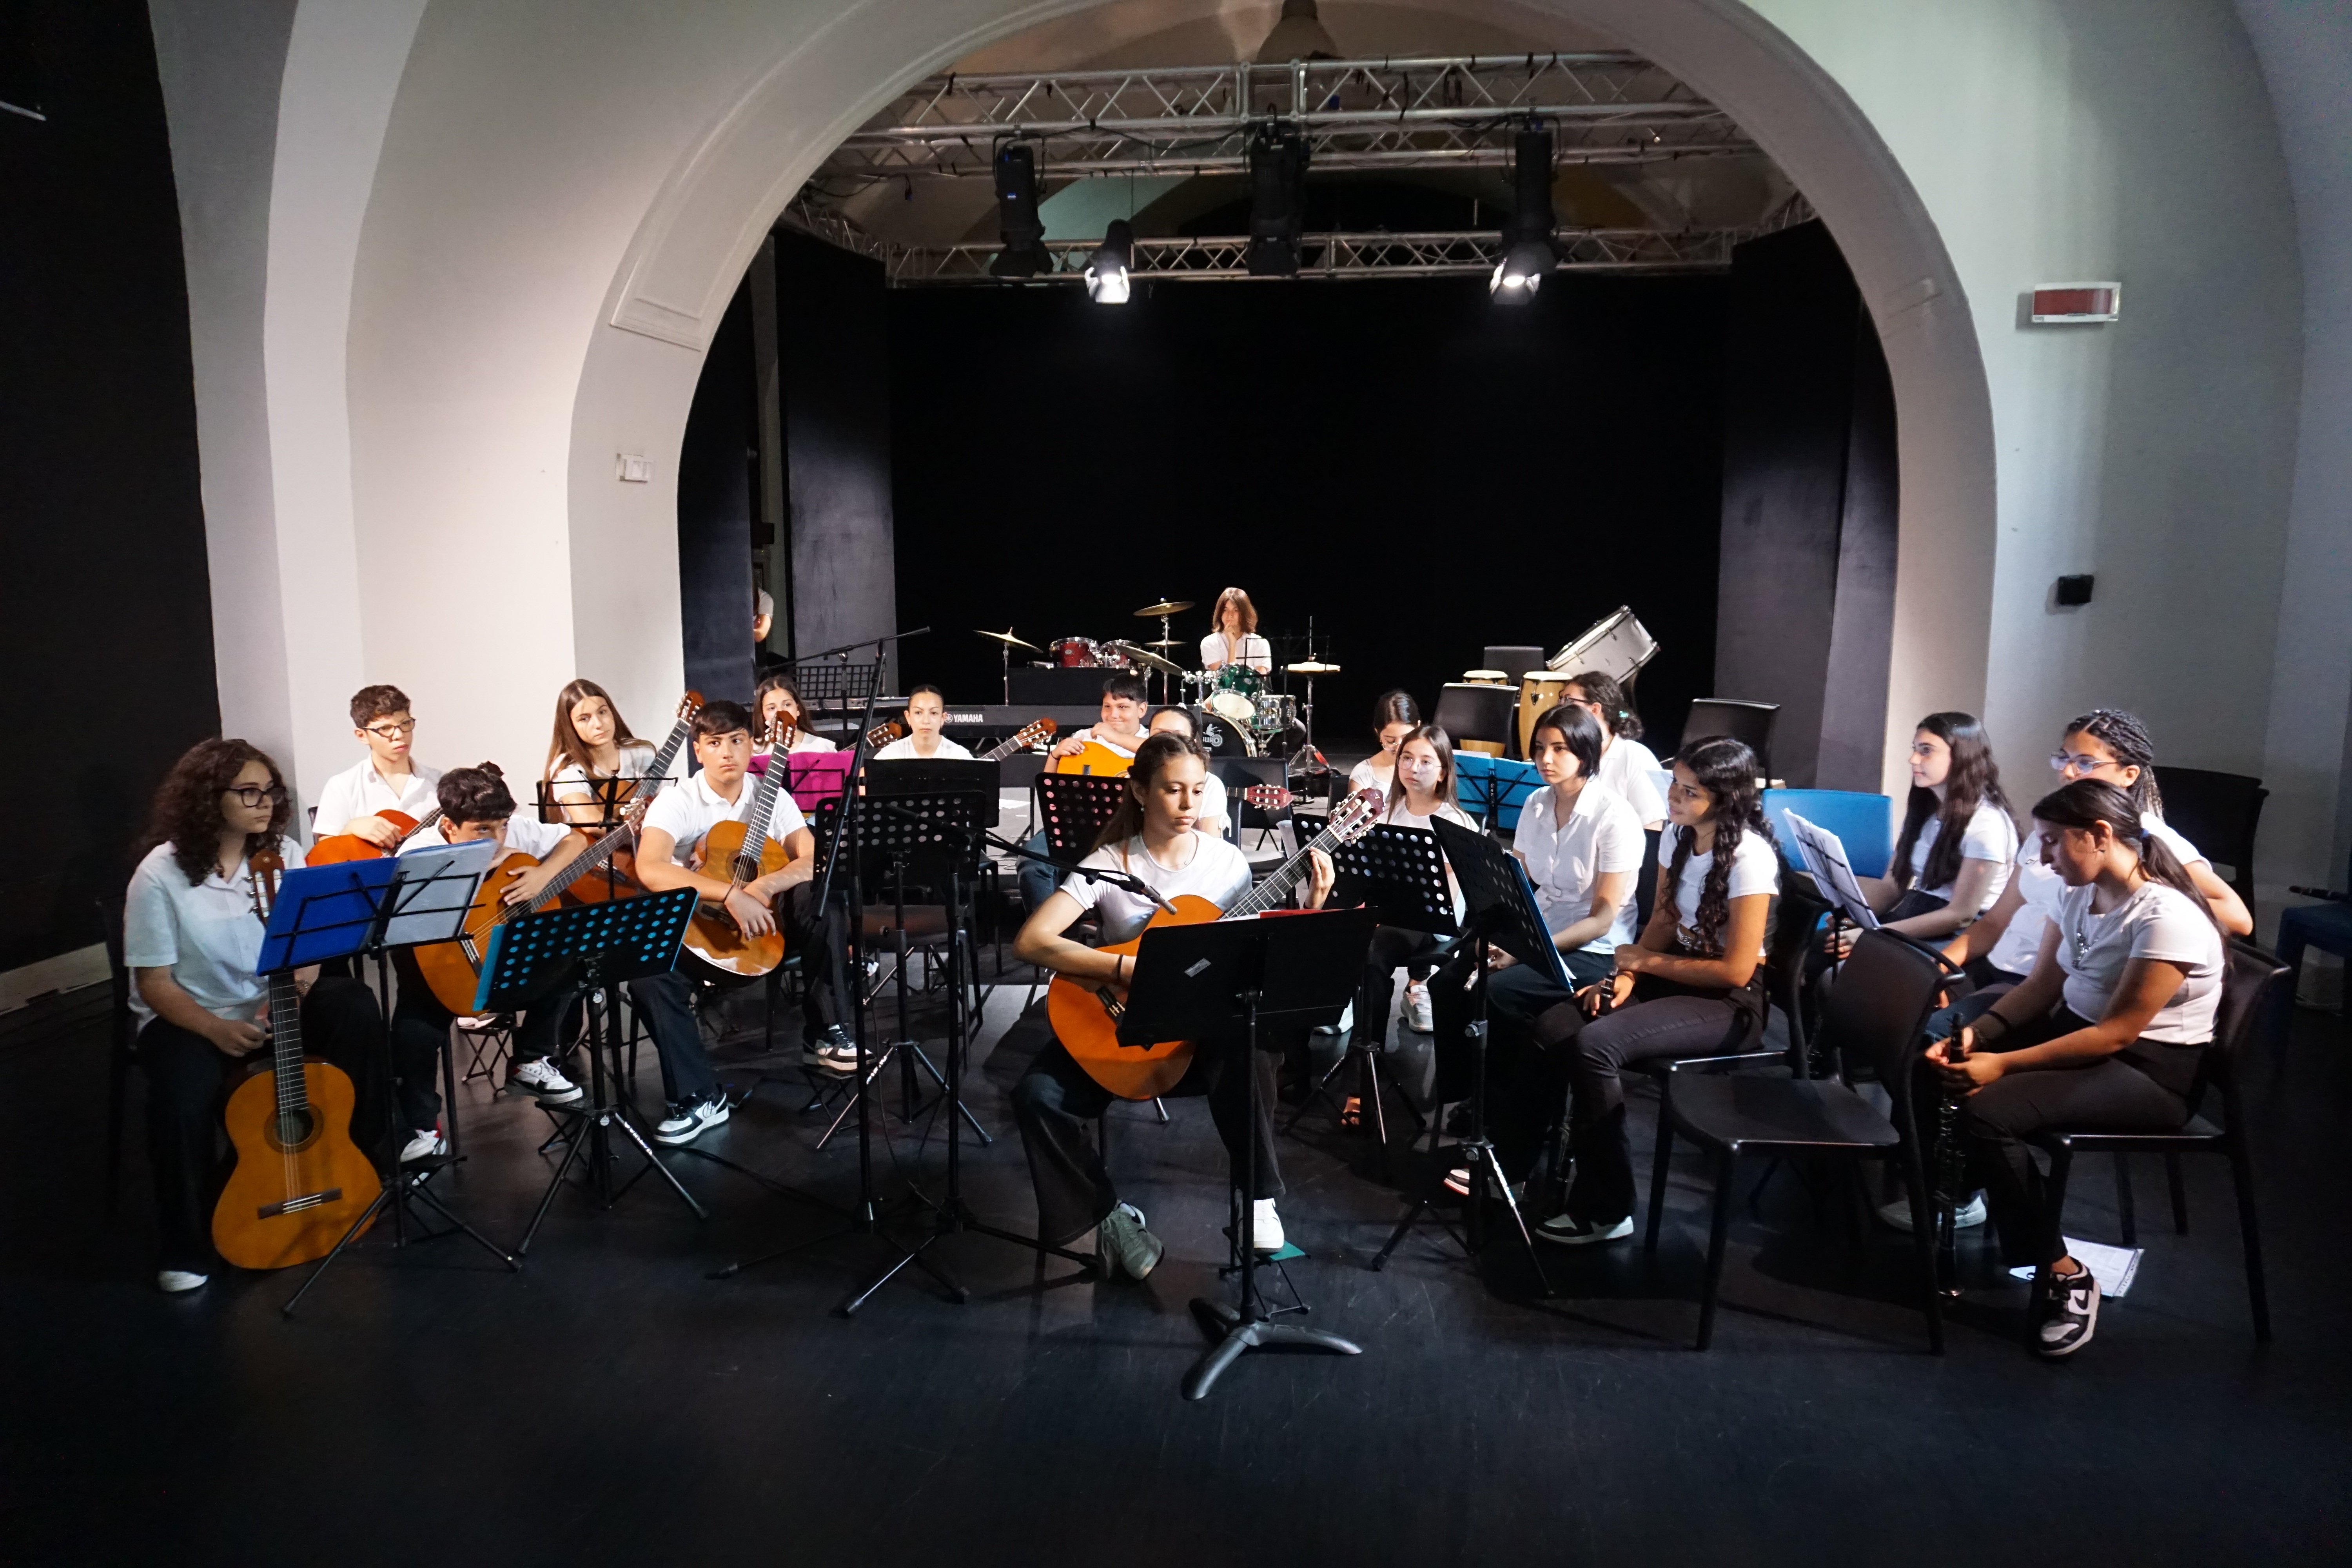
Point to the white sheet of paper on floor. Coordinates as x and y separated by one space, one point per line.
2114 1267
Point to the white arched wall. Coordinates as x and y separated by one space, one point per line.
564 200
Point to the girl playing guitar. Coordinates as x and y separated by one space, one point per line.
1154 837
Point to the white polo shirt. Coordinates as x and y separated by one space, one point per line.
1565 859
903 750
1627 767
1215 871
360 791
207 935
2039 886
688 811
2155 921
524 832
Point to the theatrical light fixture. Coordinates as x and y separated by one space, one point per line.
1107 281
1278 163
1527 250
1024 254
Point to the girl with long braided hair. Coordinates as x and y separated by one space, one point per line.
1691 986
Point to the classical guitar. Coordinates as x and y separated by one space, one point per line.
1034 733
741 850
618 846
300 1180
1086 1021
338 847
1096 758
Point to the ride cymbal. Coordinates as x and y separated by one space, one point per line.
1006 638
1165 607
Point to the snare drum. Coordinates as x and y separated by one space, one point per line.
1275 710
1233 708
1075 653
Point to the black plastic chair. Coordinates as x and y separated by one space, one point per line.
1876 1014
122 1049
2218 814
1469 712
1749 721
2255 983
1514 660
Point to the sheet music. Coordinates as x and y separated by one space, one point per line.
1824 854
431 890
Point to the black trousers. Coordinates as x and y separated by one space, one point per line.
817 934
1391 946
1587 1057
2141 1088
188 1081
420 1027
1054 1100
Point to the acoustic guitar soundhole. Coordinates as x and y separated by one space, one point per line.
292 1129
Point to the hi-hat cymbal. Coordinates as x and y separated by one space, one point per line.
1312 667
1006 638
1165 642
1146 658
1165 607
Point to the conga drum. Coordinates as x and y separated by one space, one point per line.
1539 695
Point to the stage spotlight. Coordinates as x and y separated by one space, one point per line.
1107 281
1023 231
1528 251
1278 163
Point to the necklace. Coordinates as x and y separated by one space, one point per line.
2081 933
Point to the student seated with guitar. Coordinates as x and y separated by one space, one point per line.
475 804
777 696
668 857
927 714
190 938
387 779
592 747
1113 741
1153 836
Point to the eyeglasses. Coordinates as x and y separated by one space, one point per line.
2061 761
257 795
391 731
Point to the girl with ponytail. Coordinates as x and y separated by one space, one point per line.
1692 987
2106 1032
1626 764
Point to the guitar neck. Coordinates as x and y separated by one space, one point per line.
597 855
286 1043
424 822
1278 886
658 775
763 806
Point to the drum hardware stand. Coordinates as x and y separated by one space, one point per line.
1502 904
456 877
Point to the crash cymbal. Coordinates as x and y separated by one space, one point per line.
1165 607
1006 638
1312 667
1165 642
1146 658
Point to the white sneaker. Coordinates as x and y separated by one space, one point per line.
835 1051
1265 1226
545 1080
1570 1231
174 1281
1968 1215
1122 1243
1419 1016
685 1123
426 1144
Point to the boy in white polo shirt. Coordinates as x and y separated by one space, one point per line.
387 779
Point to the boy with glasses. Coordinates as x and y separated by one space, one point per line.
387 779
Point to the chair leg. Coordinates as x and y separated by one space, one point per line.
1923 1247
1718 1234
2126 1214
1658 1162
2180 1195
2241 1176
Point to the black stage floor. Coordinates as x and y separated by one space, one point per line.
612 1404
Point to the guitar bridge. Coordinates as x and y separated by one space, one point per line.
295 1205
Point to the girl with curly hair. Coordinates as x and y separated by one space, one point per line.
190 938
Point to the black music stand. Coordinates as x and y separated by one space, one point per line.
1075 806
1205 983
364 909
1503 913
1398 874
588 950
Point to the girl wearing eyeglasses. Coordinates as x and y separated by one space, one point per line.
190 938
2112 747
1627 766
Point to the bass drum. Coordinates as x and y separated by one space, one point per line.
1218 737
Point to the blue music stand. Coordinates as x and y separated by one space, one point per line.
1495 788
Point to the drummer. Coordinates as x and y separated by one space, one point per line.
1124 705
1235 640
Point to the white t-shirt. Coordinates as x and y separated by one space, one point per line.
525 832
1990 836
1755 868
903 748
809 741
688 811
1256 651
1564 859
1626 767
1373 773
1396 816
360 791
1215 804
1124 745
2039 886
207 935
2155 921
1216 871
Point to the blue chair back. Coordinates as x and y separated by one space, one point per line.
1494 788
1864 823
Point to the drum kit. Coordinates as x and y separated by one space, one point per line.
1233 711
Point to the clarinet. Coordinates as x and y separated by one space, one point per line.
1951 1173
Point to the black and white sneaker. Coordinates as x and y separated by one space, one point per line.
834 1051
687 1122
1567 1230
2070 1314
